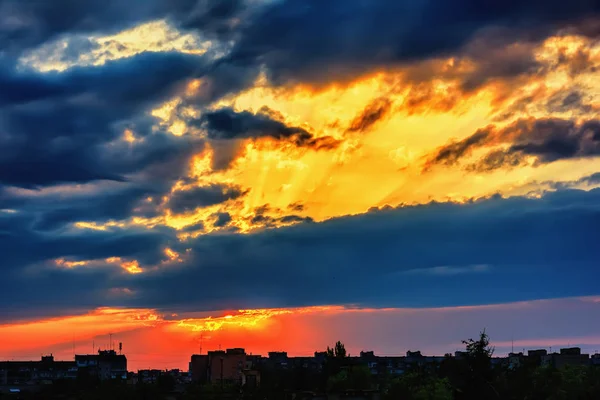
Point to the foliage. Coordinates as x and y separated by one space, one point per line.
419 386
165 384
356 377
462 378
339 351
477 378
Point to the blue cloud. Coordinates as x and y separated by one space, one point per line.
59 130
65 127
42 21
319 41
349 260
546 139
203 196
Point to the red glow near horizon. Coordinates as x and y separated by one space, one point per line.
151 340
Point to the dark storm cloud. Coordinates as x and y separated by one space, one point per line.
451 153
370 115
54 209
204 196
267 216
226 123
215 18
224 78
55 126
135 82
297 207
18 238
270 221
552 140
164 156
307 41
349 260
221 219
19 87
572 100
25 24
585 181
546 139
20 265
160 156
287 37
319 41
62 128
294 218
496 58
198 226
498 159
592 179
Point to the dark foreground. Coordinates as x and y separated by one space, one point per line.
472 377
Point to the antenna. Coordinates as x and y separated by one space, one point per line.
120 347
201 338
93 346
110 341
512 348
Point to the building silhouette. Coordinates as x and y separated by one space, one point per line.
33 372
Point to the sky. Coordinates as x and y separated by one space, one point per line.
189 175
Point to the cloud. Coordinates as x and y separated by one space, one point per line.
544 139
370 115
203 196
498 159
577 62
63 128
287 36
226 77
28 25
592 179
18 236
222 219
267 216
81 146
348 260
446 271
98 202
451 153
496 59
513 72
570 100
226 123
262 219
218 19
227 128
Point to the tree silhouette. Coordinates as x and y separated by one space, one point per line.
479 349
339 351
479 362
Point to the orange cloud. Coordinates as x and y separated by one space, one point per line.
405 114
151 339
22 337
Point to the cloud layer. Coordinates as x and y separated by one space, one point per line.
427 251
546 140
199 155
